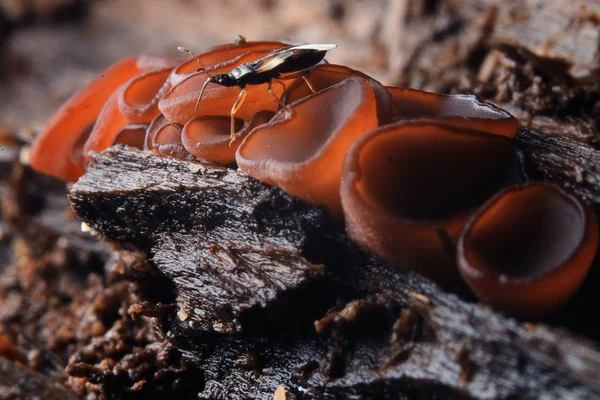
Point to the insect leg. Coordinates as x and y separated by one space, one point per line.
281 103
236 106
201 93
312 89
301 74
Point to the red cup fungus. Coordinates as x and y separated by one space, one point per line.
208 137
138 101
406 168
52 149
528 249
164 137
132 135
320 77
408 185
303 153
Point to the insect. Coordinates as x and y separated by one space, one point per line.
285 60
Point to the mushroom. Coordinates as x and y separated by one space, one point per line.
208 137
52 149
134 102
457 109
164 137
132 135
528 249
408 188
138 100
108 125
302 153
76 155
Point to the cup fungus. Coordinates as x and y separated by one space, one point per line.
528 249
134 102
138 100
302 153
164 137
208 137
79 144
458 109
108 125
132 135
52 148
408 188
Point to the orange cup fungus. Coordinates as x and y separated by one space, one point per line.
409 187
51 152
208 137
303 152
405 168
164 137
528 249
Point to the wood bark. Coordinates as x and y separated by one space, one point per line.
219 234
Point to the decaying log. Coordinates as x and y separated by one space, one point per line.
224 238
558 158
417 32
536 58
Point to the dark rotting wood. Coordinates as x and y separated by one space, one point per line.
215 222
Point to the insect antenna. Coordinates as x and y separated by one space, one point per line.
188 51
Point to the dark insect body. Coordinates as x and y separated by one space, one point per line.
281 61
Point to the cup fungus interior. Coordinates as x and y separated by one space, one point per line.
167 141
78 146
430 172
526 233
528 249
168 134
132 135
210 130
164 137
303 152
140 95
314 121
208 137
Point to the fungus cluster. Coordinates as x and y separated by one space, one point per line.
411 173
